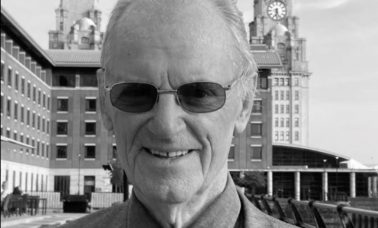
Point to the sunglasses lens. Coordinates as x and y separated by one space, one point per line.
133 97
201 97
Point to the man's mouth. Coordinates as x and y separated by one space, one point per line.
164 154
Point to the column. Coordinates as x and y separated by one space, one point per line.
370 189
270 183
375 186
352 184
325 186
297 182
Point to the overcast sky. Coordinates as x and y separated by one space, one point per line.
342 50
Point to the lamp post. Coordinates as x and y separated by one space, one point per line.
325 181
78 177
337 167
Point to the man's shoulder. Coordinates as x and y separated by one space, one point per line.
112 217
253 217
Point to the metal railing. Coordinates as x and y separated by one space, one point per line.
316 214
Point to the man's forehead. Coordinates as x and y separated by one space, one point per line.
191 21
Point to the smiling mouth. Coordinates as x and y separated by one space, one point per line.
163 154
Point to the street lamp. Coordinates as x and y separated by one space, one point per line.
337 166
325 190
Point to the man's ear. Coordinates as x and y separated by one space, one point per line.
106 118
245 112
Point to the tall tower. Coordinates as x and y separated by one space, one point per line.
275 26
78 25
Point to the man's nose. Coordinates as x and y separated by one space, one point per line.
167 119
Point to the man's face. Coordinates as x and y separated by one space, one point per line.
168 47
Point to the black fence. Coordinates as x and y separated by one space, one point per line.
315 214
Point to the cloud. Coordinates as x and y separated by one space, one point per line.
320 4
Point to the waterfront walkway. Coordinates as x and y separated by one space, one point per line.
51 219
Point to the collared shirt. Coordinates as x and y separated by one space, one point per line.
231 209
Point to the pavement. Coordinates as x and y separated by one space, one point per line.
40 221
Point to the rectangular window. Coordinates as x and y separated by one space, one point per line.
90 128
287 122
256 153
276 95
282 108
22 86
44 101
43 124
296 109
2 71
61 128
15 136
296 135
276 136
33 145
90 151
90 105
39 97
231 153
257 106
296 81
9 107
33 120
61 151
276 122
114 152
34 93
287 136
28 117
282 95
296 95
16 81
256 129
296 122
38 147
263 82
287 95
287 109
62 105
282 122
48 102
15 111
8 133
10 75
62 185
28 90
276 109
47 126
47 151
42 149
39 122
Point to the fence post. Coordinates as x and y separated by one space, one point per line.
318 218
346 222
297 217
279 209
266 205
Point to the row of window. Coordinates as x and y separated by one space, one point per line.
280 122
40 148
25 88
20 113
286 81
89 151
22 57
285 95
285 136
25 182
63 104
282 109
62 128
255 152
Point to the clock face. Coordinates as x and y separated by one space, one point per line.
277 10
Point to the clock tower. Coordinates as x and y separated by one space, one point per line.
276 28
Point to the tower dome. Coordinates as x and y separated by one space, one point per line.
279 30
85 24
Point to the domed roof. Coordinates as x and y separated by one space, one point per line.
279 30
85 24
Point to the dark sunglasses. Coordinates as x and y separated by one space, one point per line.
197 97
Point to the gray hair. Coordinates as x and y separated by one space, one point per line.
232 16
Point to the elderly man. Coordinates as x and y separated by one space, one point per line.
177 81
